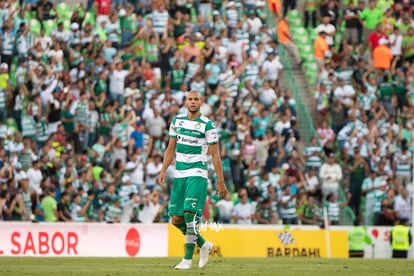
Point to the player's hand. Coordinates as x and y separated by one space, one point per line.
221 189
161 179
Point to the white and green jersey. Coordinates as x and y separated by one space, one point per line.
3 132
345 74
125 191
82 112
200 87
112 212
366 100
292 102
403 163
75 212
346 131
7 40
120 131
313 160
191 70
41 131
27 201
3 98
369 183
333 210
232 17
159 20
28 126
113 27
193 138
251 73
4 16
288 212
378 197
242 36
24 43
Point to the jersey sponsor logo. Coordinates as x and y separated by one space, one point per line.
187 140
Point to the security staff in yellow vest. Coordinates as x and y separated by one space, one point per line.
400 239
356 240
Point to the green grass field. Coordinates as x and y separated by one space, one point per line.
217 266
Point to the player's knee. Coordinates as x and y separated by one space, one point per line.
176 220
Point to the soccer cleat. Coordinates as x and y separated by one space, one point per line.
184 265
204 252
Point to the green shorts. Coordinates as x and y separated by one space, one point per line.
188 195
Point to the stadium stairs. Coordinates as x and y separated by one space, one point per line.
301 81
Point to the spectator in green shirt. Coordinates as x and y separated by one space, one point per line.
308 213
408 45
49 206
264 213
67 119
127 24
371 16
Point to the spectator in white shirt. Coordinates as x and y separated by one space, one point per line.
396 44
225 209
345 93
253 23
403 205
153 170
272 67
152 208
35 177
236 47
328 28
244 211
117 78
330 174
135 169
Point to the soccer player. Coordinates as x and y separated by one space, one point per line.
192 137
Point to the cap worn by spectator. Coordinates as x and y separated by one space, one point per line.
74 26
122 12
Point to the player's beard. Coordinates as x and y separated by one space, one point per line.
193 112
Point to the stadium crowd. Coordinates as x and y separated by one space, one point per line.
87 94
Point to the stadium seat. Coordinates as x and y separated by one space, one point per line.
80 10
35 26
33 14
292 15
62 10
302 40
89 18
297 22
305 50
49 26
313 34
28 16
299 32
66 24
